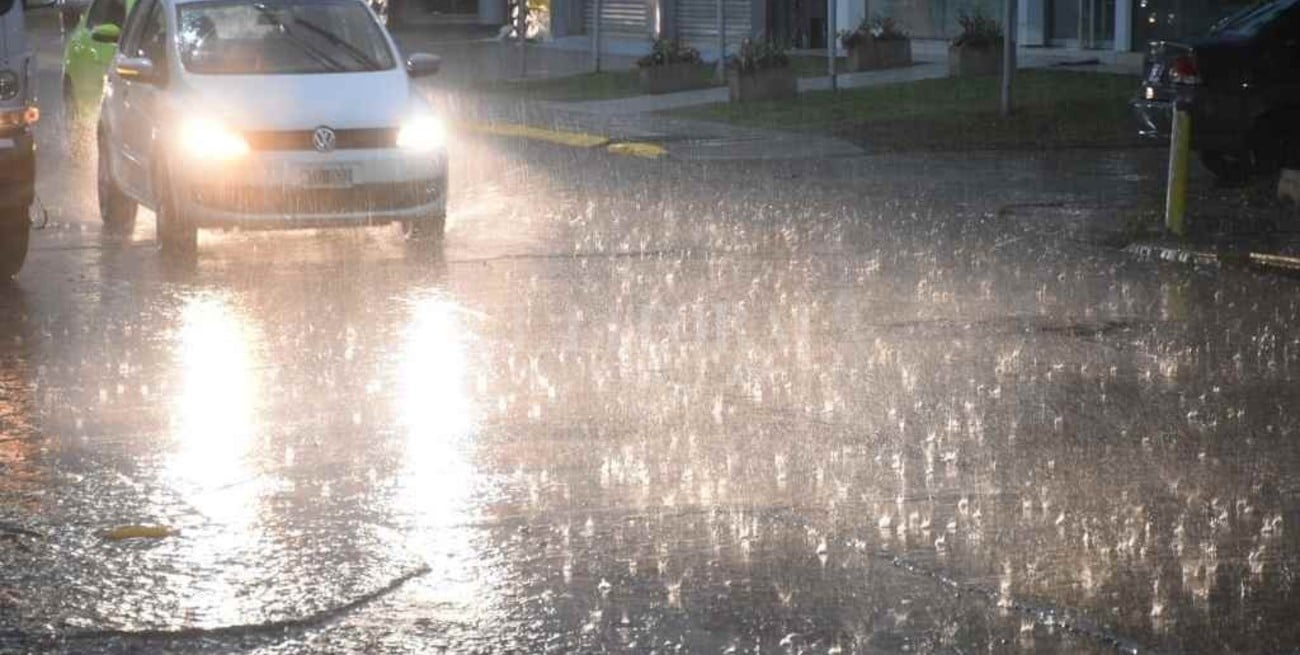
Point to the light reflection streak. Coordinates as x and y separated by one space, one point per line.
213 430
438 423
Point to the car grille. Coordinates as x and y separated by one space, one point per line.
352 139
289 201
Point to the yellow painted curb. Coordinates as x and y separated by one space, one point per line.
138 532
572 139
634 149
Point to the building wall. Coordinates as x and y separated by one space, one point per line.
932 19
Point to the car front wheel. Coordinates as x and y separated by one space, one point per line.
176 234
424 231
1230 166
116 209
14 232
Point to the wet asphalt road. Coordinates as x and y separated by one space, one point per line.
651 406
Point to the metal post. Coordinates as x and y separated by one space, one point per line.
595 37
1176 191
722 39
1008 53
831 44
521 33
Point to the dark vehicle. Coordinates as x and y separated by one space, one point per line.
17 147
1242 84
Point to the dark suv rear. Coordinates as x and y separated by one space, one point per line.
1242 84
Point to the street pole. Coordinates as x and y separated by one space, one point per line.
521 33
1008 53
1176 189
722 39
830 43
595 37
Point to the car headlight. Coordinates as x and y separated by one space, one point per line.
207 139
9 84
422 134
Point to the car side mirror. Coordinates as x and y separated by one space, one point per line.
136 69
423 64
106 33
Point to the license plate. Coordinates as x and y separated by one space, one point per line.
328 177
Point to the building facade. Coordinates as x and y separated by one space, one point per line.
1121 25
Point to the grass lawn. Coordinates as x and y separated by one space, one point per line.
1053 109
572 88
815 65
616 84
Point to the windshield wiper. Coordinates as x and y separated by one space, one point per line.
357 53
330 62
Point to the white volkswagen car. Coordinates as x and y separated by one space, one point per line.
267 114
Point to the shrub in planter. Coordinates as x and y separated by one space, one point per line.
760 71
878 42
670 67
978 49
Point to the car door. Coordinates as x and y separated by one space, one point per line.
136 120
88 60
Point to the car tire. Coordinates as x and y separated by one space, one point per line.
1229 166
176 235
424 231
116 209
15 230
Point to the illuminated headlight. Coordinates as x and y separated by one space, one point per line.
422 134
206 139
9 85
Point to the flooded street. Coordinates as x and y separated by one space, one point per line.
651 406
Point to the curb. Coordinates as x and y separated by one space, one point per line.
581 140
559 137
1255 261
638 149
1173 254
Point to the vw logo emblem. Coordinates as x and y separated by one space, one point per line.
323 139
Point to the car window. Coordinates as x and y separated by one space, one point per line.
152 42
134 18
106 12
281 37
1254 20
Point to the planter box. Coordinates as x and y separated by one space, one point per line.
968 60
675 77
875 54
766 84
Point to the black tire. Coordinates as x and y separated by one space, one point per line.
1230 166
425 231
176 235
116 209
15 230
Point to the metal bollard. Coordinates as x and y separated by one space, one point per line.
595 37
1180 139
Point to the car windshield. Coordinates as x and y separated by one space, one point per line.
281 38
1249 22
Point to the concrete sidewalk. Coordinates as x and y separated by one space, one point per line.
677 138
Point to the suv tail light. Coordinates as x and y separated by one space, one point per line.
1183 71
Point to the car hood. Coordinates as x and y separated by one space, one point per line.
297 102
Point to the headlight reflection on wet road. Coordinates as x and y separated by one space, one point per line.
213 426
213 432
437 483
